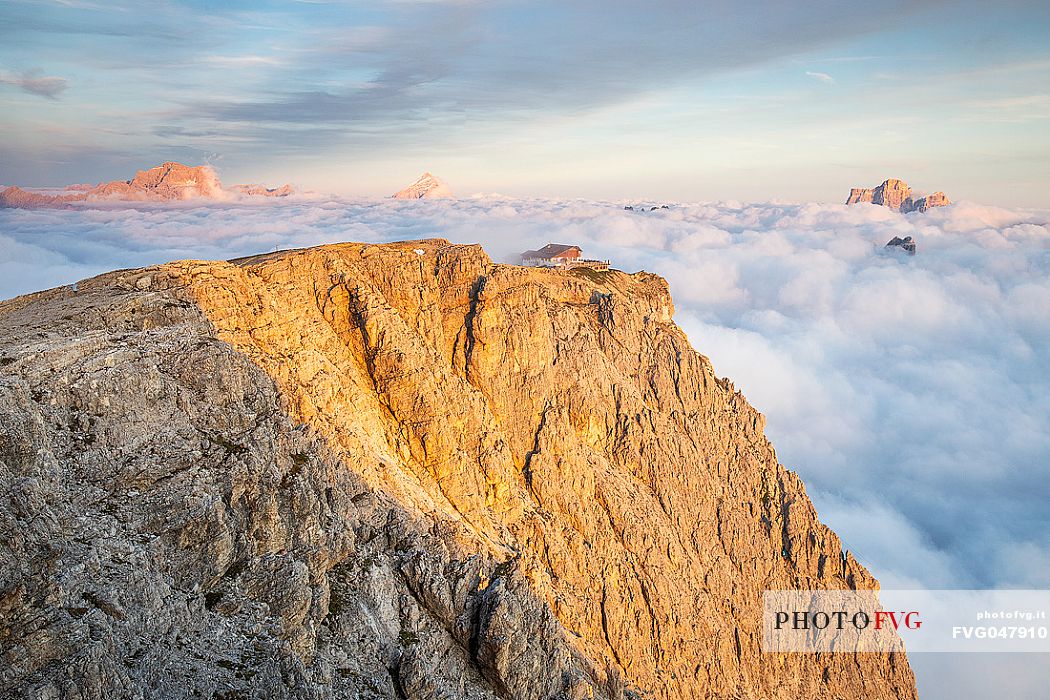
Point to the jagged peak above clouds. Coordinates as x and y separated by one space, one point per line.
897 195
427 185
168 181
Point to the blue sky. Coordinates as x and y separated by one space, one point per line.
666 100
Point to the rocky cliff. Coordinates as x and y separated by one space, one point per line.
165 182
392 471
896 195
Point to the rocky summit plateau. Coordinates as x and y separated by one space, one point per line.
165 182
896 195
393 471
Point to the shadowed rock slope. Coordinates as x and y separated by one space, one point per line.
392 471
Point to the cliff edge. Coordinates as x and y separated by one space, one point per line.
392 471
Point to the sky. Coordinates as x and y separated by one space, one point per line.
683 100
911 394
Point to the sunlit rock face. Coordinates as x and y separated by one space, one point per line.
896 195
937 199
427 186
393 471
166 182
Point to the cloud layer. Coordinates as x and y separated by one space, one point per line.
910 393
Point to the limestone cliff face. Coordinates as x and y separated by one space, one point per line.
392 471
937 199
896 195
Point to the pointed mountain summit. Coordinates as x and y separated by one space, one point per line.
426 186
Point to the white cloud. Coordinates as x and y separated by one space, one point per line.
910 393
822 77
36 83
244 60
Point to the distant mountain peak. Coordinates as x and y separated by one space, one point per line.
896 195
428 185
165 182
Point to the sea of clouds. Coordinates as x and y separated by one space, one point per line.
911 393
